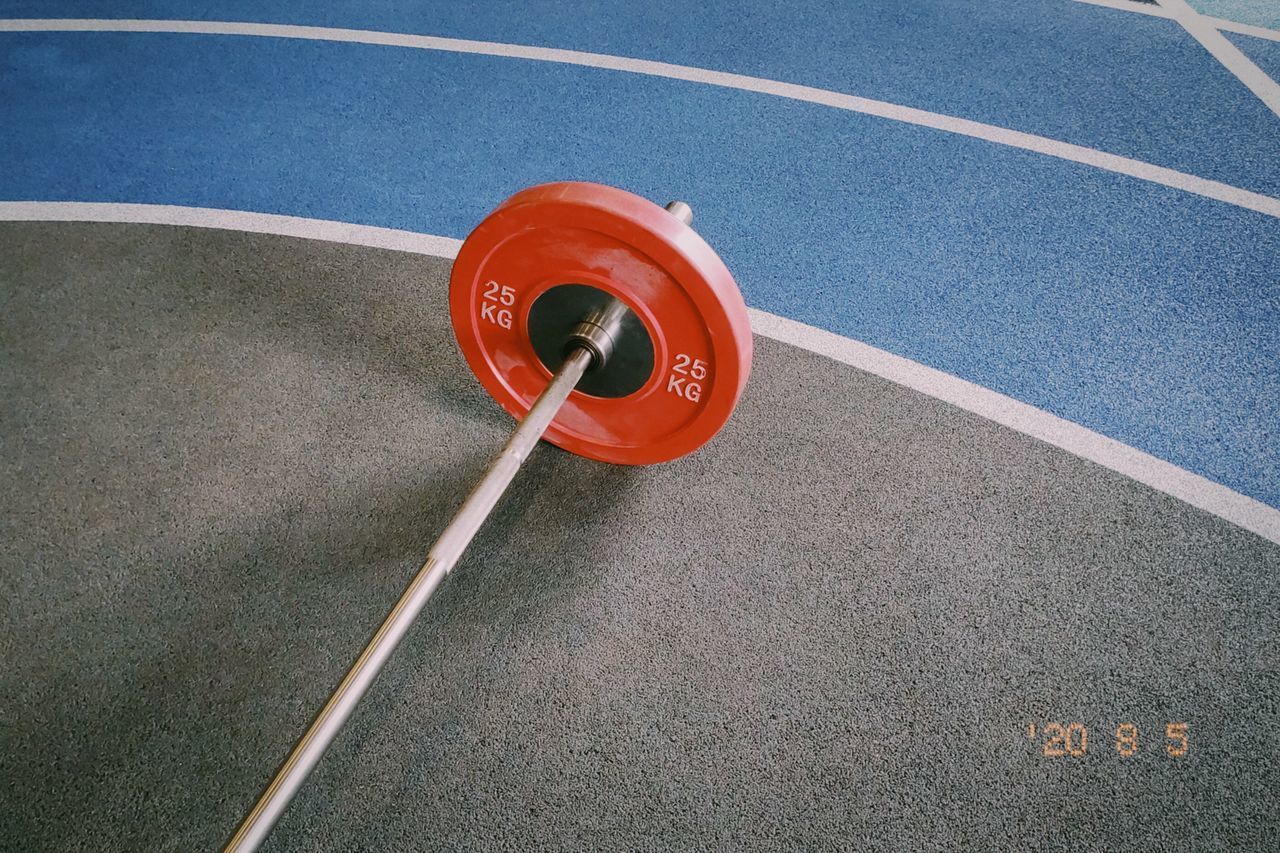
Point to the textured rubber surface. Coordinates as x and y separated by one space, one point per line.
1262 13
1130 84
1139 311
1263 52
224 455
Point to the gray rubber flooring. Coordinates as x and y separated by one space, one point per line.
223 455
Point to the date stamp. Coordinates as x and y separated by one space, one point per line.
1071 740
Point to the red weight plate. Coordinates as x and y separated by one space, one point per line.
610 239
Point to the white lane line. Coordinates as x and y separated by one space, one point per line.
1130 6
1200 492
1231 57
1243 29
1155 11
230 220
1002 136
1241 510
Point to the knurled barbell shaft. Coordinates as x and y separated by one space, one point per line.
594 338
444 554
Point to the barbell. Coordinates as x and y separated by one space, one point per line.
604 324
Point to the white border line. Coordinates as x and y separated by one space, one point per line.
1244 511
1130 6
964 127
1244 29
1200 492
1231 57
1155 11
231 220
